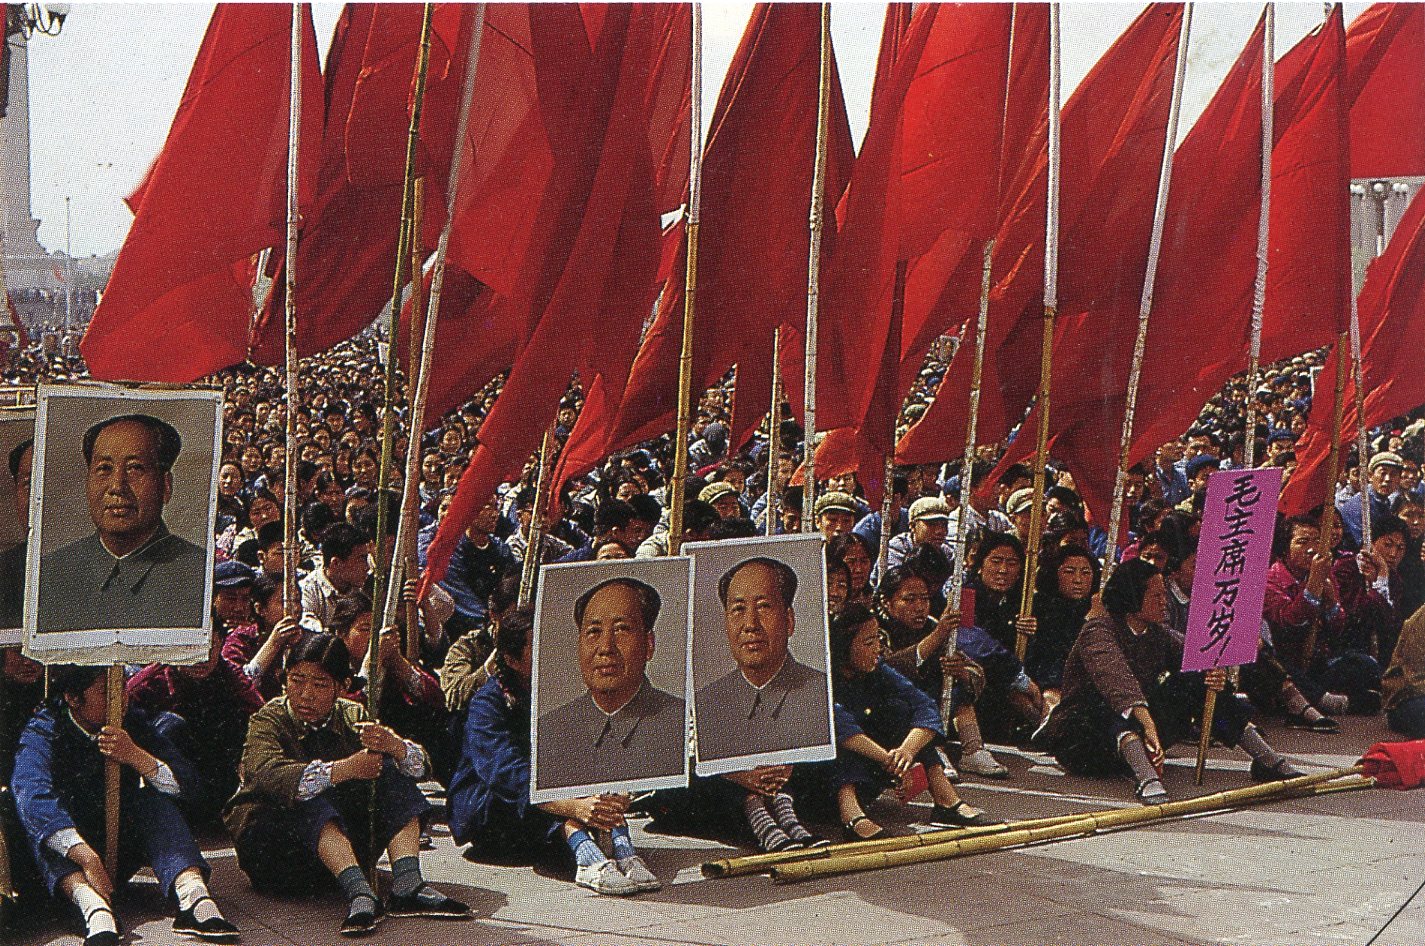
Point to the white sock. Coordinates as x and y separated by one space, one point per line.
98 918
192 894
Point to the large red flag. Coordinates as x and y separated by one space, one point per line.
594 280
930 163
1392 314
179 303
1113 127
752 250
347 255
1385 52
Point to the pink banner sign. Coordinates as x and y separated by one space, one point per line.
1230 582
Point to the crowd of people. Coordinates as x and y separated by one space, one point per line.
270 740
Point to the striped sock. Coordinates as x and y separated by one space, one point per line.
764 826
786 815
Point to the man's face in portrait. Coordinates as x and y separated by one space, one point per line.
614 645
758 621
22 485
126 489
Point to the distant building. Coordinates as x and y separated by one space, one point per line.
27 265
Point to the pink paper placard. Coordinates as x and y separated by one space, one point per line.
1233 554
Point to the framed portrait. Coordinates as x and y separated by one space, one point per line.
17 436
761 655
120 556
610 678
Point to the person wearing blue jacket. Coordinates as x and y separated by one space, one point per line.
884 725
59 794
489 793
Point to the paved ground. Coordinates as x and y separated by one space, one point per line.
1330 870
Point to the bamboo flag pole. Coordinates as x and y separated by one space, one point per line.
774 437
418 384
381 590
1051 306
690 291
1145 303
291 601
1362 446
534 535
888 484
1333 466
403 563
114 712
818 186
1259 286
1077 827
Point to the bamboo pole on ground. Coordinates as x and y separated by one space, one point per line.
818 186
291 600
774 437
534 541
1078 827
1051 306
1145 303
690 291
418 384
114 716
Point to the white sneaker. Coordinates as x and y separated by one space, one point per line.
980 762
636 871
605 878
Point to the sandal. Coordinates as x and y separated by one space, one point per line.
849 830
1322 724
1150 791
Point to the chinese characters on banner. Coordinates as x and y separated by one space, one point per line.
1233 554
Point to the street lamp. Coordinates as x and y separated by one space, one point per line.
46 19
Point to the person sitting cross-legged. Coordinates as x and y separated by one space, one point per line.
59 795
303 805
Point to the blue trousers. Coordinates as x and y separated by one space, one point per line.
151 831
1408 718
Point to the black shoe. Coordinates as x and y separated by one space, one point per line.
102 938
1322 724
360 920
955 817
848 830
1283 770
215 928
427 902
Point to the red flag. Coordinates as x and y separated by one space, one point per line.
347 254
1392 314
930 162
1385 50
593 281
1113 127
752 253
177 306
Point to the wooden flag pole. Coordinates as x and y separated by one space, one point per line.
403 563
818 186
1362 446
291 600
418 382
1051 306
774 436
887 487
534 535
690 292
1145 302
1259 286
114 716
381 590
1333 466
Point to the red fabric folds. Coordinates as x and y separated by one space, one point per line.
930 163
179 303
1385 49
752 250
1399 765
592 280
1113 127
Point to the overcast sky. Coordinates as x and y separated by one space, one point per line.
103 93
